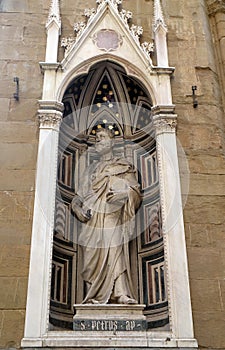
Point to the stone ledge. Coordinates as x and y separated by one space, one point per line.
124 340
109 311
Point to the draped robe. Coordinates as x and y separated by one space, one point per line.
105 237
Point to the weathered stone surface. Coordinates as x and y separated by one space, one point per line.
206 163
14 260
217 234
208 292
13 295
21 293
198 137
16 206
199 235
222 293
11 32
12 326
4 108
18 156
13 6
207 185
28 87
209 329
14 232
13 180
25 110
19 132
205 263
210 115
7 294
16 51
205 209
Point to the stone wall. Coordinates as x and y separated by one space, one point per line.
200 132
22 47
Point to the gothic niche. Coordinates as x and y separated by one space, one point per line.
107 97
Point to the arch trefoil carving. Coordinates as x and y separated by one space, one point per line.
97 86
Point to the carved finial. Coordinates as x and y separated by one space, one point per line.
67 43
126 16
79 28
89 13
158 16
148 49
54 14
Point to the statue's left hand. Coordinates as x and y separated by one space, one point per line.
114 197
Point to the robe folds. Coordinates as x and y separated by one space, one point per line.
105 237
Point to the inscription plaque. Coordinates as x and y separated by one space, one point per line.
109 325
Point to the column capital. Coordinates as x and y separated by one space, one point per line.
49 119
215 6
164 123
164 119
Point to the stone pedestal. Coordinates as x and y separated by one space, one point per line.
113 318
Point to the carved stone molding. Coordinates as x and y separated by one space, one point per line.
215 6
49 119
49 66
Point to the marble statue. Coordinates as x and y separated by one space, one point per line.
105 204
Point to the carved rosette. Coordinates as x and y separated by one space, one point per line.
89 13
79 28
126 16
136 32
50 120
165 125
148 48
67 43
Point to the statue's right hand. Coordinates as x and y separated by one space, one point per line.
81 214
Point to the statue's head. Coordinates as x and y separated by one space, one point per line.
104 140
106 131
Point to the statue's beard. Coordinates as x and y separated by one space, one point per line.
103 147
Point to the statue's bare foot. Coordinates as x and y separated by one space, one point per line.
124 299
